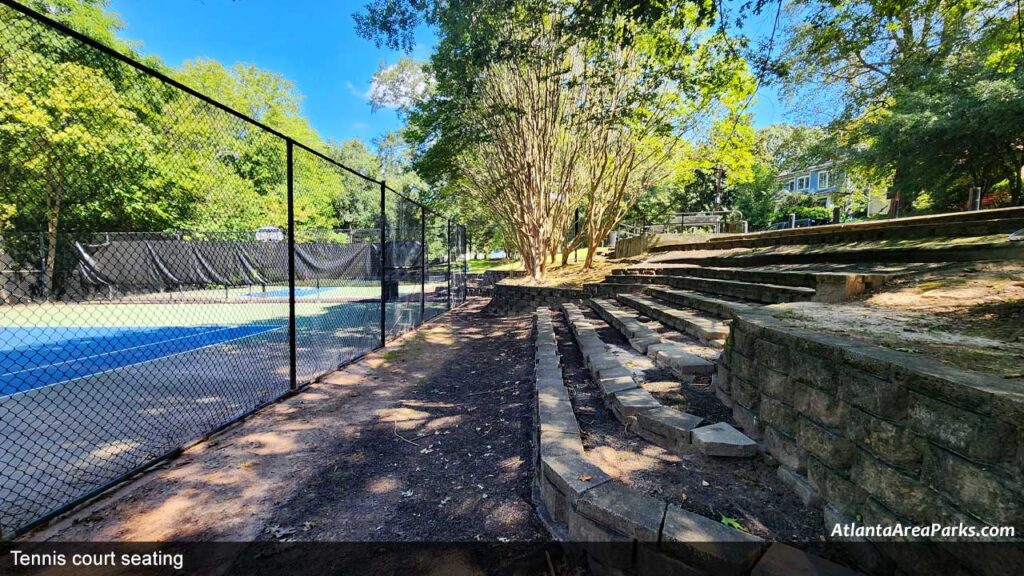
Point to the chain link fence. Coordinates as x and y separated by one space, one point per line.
120 345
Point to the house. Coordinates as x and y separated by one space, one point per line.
825 183
820 181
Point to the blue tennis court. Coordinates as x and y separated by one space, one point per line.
33 357
283 293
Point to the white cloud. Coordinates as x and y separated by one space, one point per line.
353 90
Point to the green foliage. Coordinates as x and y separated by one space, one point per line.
93 145
932 92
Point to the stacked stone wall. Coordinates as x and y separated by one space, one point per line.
509 299
878 435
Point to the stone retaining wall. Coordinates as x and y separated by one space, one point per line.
958 224
620 530
515 299
880 436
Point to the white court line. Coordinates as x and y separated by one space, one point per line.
269 328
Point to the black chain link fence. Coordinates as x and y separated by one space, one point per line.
118 348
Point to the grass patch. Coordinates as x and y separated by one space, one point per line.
481 266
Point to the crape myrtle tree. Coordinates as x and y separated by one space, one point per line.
540 107
931 90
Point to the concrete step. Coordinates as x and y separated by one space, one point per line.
755 275
937 226
677 357
640 336
722 307
710 331
757 292
632 405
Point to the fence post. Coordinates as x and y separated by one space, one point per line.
292 344
465 261
383 272
449 247
423 261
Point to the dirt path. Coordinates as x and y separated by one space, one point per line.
428 440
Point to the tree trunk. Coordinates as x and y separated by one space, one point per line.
52 223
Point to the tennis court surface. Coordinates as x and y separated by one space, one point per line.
34 357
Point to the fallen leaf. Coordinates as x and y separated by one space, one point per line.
584 477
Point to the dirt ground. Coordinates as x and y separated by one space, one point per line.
968 315
745 490
427 440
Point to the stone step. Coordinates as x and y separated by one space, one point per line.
712 304
754 275
674 356
765 293
710 331
936 226
633 406
640 336
721 439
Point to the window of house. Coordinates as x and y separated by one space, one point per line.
803 182
789 186
824 179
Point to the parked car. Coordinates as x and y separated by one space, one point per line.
800 223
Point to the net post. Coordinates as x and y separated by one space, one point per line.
292 345
383 273
423 261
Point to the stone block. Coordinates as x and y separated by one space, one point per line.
610 386
721 439
642 343
784 448
778 414
724 397
799 485
880 397
771 355
992 497
837 490
684 363
708 545
560 443
572 474
555 501
777 385
743 341
667 428
976 436
743 392
783 560
628 403
722 377
555 414
813 370
654 349
741 366
897 491
820 406
831 448
618 507
747 420
894 444
617 371
610 548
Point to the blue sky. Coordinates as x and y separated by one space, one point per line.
311 42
